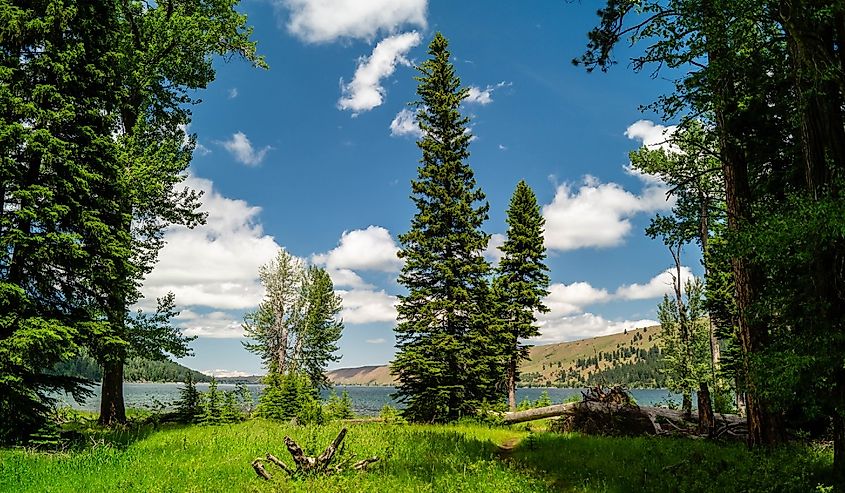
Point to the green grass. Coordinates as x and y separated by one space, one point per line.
418 458
578 463
209 459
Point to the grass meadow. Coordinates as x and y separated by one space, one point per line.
414 458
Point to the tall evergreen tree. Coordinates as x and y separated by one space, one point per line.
57 169
444 363
521 281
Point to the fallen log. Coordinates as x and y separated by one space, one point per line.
539 413
596 417
305 465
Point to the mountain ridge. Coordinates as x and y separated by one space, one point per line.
630 358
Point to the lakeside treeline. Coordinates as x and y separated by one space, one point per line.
135 370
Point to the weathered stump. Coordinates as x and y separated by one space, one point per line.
305 465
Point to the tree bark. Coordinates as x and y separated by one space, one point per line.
112 407
763 424
706 421
839 451
512 382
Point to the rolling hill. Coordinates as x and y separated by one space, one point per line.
629 358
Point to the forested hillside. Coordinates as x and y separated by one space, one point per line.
629 358
136 370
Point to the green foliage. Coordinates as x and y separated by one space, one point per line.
685 350
339 407
542 401
189 405
391 415
446 362
137 369
289 396
521 280
57 175
297 326
211 405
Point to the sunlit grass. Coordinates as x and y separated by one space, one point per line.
207 459
421 458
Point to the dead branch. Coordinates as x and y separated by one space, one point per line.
312 465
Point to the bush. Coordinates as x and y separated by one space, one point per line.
289 396
544 400
212 405
189 405
339 407
391 415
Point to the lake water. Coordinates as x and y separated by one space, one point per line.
366 401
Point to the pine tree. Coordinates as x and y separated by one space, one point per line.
212 405
444 364
190 399
521 281
58 168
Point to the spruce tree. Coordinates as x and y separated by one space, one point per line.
521 281
443 363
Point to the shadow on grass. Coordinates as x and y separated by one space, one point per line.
82 434
605 464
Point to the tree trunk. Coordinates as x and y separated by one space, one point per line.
839 451
706 421
512 383
686 405
703 237
112 407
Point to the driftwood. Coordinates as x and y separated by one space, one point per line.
305 465
612 412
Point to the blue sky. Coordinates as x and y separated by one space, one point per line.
316 155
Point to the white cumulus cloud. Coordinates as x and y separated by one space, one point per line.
656 287
362 249
321 21
566 299
365 91
378 340
405 123
215 325
597 214
241 149
362 306
347 278
570 328
653 136
492 252
214 265
476 95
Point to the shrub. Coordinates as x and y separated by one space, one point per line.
339 407
391 415
212 405
289 396
189 405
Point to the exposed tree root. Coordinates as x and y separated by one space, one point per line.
305 465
